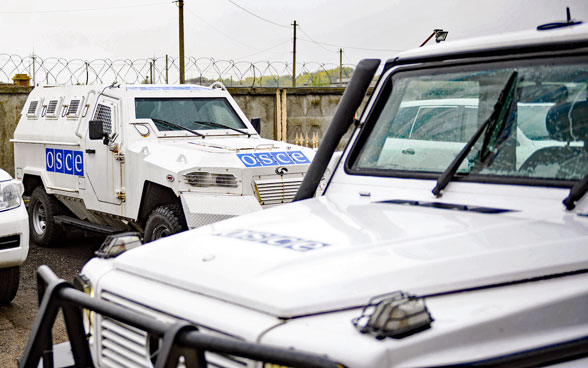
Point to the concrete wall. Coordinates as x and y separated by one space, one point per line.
309 110
12 99
308 113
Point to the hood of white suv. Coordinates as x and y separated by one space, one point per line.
4 175
316 255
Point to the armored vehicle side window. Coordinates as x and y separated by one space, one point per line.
423 121
188 112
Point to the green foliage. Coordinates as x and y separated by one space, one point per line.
317 79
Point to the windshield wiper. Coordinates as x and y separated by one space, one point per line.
577 192
164 122
223 126
498 115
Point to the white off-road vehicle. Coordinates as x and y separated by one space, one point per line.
156 159
432 244
14 236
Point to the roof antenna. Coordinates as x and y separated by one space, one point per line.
568 23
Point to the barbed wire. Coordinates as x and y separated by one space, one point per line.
159 70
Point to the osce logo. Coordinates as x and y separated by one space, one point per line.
273 158
64 161
276 240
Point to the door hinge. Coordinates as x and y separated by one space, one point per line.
121 195
119 156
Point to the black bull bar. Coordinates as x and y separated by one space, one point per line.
180 339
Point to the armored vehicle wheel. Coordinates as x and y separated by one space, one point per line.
42 210
9 278
164 221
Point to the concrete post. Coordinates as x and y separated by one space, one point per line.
278 126
284 118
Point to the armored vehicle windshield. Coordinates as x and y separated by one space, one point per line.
423 120
189 113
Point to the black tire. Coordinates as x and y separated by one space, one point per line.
43 208
164 221
9 279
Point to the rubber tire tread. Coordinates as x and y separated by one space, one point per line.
53 231
9 280
170 215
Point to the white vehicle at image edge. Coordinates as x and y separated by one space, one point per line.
438 240
157 159
14 235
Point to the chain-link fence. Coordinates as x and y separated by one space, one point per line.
60 71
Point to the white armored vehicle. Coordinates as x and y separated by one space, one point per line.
453 232
151 158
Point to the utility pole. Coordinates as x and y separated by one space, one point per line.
34 72
181 27
294 58
340 67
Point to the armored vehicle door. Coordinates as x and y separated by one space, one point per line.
102 156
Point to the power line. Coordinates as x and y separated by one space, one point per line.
313 41
347 47
264 50
81 10
257 16
218 30
322 44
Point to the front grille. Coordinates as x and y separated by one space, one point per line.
277 189
9 242
121 345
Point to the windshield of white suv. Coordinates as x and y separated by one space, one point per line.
422 121
189 113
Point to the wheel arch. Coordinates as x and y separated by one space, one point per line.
153 196
30 182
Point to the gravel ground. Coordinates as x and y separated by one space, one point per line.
17 318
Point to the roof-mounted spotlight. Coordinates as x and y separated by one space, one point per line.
440 35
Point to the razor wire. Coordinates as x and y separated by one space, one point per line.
165 70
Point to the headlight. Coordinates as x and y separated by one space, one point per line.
10 194
395 315
117 244
206 179
82 283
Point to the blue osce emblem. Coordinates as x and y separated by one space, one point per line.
273 158
64 161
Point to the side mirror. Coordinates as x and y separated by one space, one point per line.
256 122
96 130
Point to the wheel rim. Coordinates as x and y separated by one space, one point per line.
160 231
39 218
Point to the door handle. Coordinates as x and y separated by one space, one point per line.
91 151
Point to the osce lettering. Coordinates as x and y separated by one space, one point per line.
276 240
64 161
273 158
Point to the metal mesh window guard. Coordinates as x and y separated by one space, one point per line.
103 113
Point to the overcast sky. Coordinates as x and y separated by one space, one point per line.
259 30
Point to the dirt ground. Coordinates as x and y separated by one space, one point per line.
17 318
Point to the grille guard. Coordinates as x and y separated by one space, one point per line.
179 339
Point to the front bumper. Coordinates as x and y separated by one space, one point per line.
14 237
202 210
176 337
